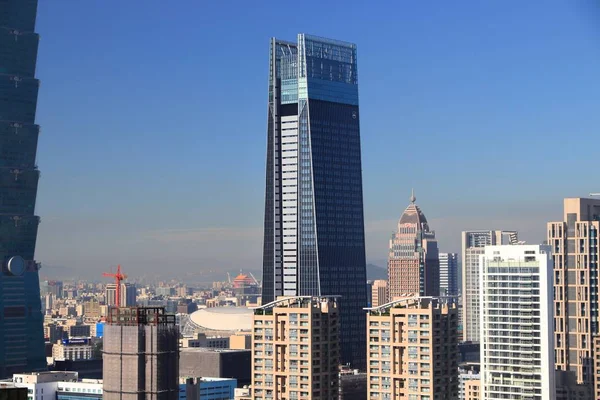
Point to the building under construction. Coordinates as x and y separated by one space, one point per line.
141 354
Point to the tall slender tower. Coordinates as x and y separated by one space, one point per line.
314 241
413 264
574 242
21 332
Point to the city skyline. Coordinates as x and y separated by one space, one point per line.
454 103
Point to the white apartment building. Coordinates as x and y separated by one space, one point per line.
517 347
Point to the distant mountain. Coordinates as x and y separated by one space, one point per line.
376 272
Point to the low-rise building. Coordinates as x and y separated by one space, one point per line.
217 363
201 340
73 349
207 388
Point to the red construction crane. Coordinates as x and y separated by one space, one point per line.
118 278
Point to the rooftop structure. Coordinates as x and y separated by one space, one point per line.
221 319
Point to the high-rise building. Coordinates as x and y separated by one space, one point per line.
413 349
574 242
21 332
379 293
413 263
296 349
314 242
473 244
128 295
141 354
516 323
448 274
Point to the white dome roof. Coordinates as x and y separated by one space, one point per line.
223 318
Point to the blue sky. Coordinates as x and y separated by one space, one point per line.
153 119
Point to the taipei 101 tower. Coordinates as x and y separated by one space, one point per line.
21 333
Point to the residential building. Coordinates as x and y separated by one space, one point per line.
468 384
141 354
473 244
128 295
21 333
448 274
516 323
314 242
575 250
379 292
413 262
205 388
73 349
296 349
240 341
413 352
217 363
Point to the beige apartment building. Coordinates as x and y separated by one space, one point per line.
295 349
413 349
472 389
379 292
574 242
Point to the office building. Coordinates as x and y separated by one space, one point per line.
413 350
379 292
574 242
73 349
201 340
516 323
473 244
216 363
448 274
413 262
353 384
8 391
206 388
128 295
54 288
79 331
314 242
58 385
21 334
141 354
296 349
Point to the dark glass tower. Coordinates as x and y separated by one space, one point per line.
314 228
21 332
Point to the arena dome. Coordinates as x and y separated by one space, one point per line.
223 318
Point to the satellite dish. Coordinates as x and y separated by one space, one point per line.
16 266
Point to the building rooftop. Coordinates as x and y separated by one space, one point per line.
413 214
223 318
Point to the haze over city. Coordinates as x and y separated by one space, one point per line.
153 121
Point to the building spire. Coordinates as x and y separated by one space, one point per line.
412 196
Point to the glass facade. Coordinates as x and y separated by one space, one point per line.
21 334
314 226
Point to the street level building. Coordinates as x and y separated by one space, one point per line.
413 349
516 319
314 241
296 349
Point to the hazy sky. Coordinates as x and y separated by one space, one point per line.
153 117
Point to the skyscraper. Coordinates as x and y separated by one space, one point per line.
21 332
128 295
473 244
296 349
413 349
574 242
314 227
448 274
413 264
517 360
379 293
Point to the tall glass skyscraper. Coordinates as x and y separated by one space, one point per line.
21 333
314 228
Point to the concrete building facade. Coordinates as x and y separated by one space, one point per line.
413 349
296 349
141 355
516 323
379 292
574 242
473 244
413 262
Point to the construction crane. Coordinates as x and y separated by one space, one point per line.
254 279
118 278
